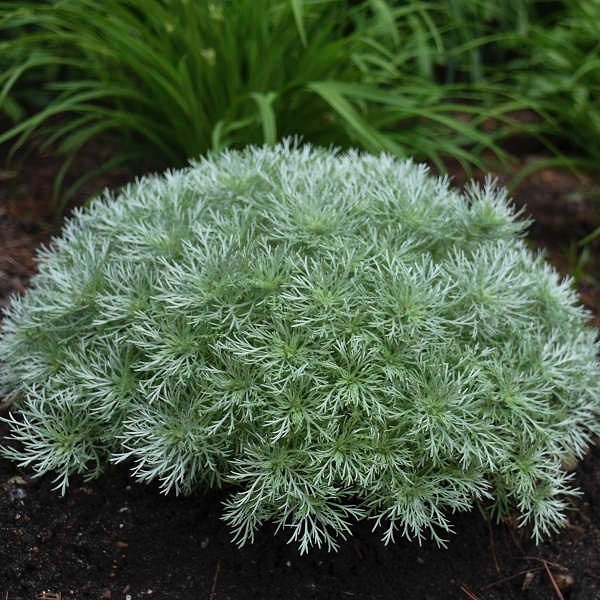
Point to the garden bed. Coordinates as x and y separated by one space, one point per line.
111 538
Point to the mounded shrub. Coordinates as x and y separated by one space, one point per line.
334 336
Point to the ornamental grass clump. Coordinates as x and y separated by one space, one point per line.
331 336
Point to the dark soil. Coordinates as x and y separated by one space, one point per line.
112 538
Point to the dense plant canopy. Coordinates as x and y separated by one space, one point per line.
336 336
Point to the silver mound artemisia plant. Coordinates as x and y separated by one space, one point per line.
332 336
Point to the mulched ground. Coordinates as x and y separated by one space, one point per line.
112 538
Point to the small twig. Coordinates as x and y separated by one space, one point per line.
544 561
213 589
493 546
464 588
5 175
576 528
553 582
506 579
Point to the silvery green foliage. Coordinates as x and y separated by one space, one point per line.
339 336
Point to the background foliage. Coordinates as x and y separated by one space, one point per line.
172 79
166 80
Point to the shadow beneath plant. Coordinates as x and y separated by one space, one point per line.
111 537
